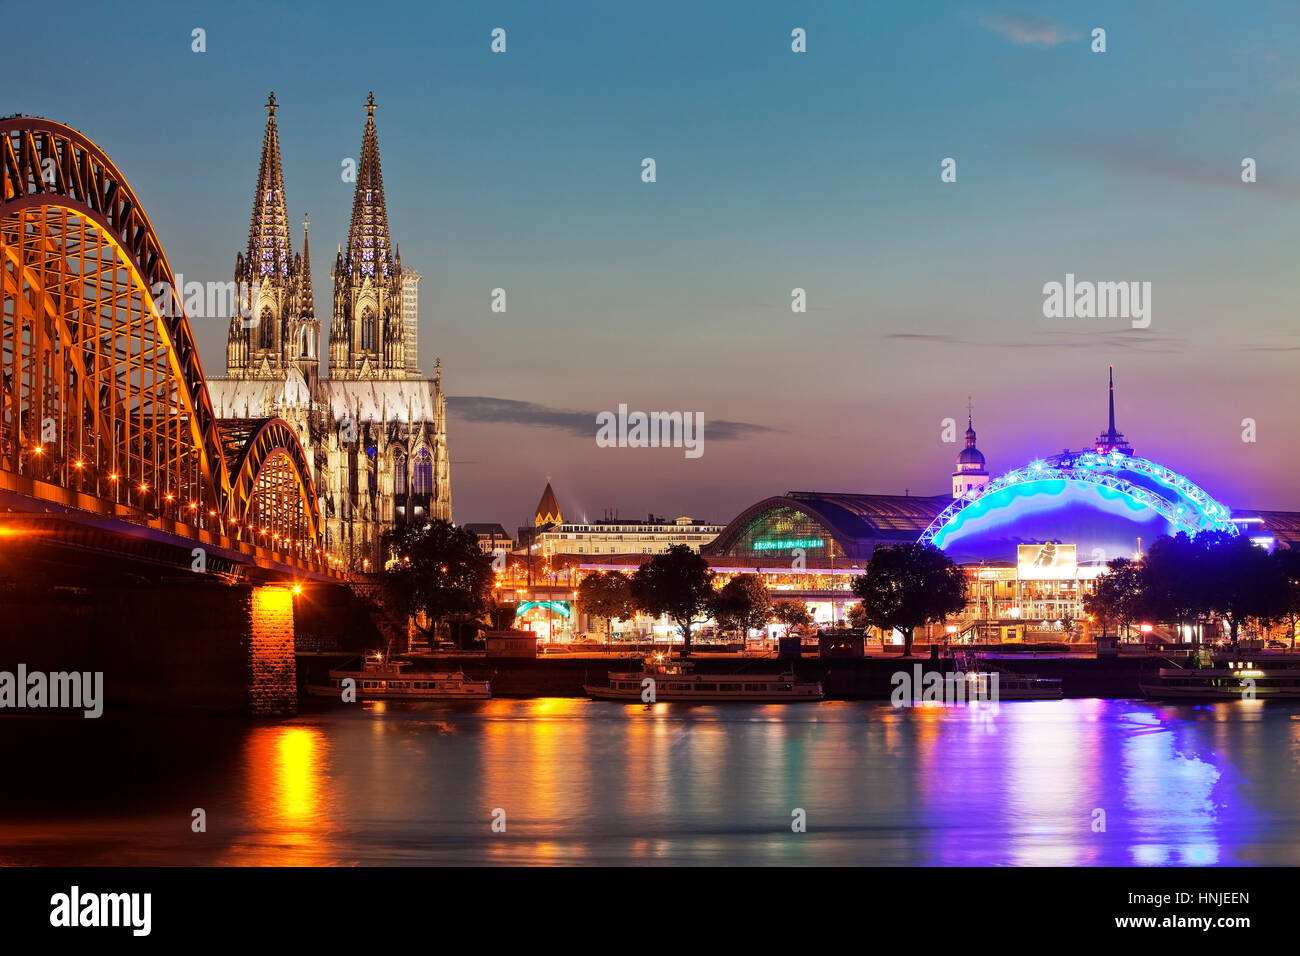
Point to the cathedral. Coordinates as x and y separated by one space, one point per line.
374 428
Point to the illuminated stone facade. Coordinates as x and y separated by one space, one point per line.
374 429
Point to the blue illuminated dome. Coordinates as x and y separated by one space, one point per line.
1102 500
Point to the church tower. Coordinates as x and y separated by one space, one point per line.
374 428
971 475
548 509
258 345
367 340
304 329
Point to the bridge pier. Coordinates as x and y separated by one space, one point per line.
273 671
186 644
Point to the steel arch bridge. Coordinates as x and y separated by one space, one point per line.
103 403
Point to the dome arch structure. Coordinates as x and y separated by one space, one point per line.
1105 499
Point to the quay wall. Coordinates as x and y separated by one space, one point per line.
866 678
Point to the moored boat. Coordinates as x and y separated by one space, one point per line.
378 680
666 680
1224 680
1023 687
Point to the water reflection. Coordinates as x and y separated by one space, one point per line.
1074 783
286 767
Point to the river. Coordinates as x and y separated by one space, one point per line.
569 781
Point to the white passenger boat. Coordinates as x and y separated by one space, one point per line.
1224 680
676 681
378 680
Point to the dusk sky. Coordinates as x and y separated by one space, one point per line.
775 170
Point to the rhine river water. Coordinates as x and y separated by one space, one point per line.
584 782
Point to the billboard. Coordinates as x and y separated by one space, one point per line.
1046 562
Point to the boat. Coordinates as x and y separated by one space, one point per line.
380 680
1011 686
1224 680
1014 687
675 680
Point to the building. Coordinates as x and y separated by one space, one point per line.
374 430
971 476
411 319
821 527
1033 540
551 534
491 537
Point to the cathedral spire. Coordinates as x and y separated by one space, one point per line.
307 307
368 242
268 232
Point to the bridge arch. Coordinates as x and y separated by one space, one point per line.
273 495
102 390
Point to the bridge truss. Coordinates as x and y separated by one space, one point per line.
103 401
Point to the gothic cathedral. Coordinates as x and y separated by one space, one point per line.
374 428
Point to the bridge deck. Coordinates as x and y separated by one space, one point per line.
51 516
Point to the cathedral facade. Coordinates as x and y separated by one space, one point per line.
374 428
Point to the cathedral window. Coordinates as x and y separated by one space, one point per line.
399 473
265 330
367 330
422 480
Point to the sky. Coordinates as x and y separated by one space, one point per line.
775 170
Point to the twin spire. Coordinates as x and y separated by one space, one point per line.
270 254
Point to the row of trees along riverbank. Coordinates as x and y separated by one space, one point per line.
1194 582
438 575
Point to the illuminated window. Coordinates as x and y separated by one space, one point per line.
368 330
422 480
399 473
265 330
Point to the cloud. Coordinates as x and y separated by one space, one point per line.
1160 162
508 411
1025 30
1130 338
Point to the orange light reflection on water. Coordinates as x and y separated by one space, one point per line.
285 792
536 765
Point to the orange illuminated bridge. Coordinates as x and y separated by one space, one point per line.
107 435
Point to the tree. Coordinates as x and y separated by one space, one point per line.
1174 580
502 613
1242 581
607 596
437 569
1287 571
907 586
1118 596
743 603
858 617
678 584
792 614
